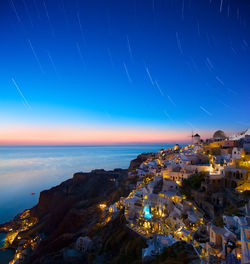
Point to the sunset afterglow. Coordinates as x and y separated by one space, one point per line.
88 135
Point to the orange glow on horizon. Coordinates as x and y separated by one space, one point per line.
62 135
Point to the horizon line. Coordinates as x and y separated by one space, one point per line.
92 144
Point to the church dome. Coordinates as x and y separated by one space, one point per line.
219 134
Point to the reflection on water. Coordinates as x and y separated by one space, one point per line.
5 255
32 169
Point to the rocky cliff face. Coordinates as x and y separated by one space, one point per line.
135 163
83 186
69 210
47 233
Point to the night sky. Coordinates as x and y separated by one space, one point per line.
122 71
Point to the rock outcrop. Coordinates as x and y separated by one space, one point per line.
68 211
135 163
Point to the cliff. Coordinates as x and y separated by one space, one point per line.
135 163
47 233
64 213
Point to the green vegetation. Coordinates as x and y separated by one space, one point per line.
192 183
216 151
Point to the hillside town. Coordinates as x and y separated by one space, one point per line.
197 193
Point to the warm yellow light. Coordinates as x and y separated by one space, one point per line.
102 206
178 182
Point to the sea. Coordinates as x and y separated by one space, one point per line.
27 170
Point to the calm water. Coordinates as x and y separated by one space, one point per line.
32 169
5 256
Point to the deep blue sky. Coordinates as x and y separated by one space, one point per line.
166 64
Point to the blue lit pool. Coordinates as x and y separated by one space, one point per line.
147 213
